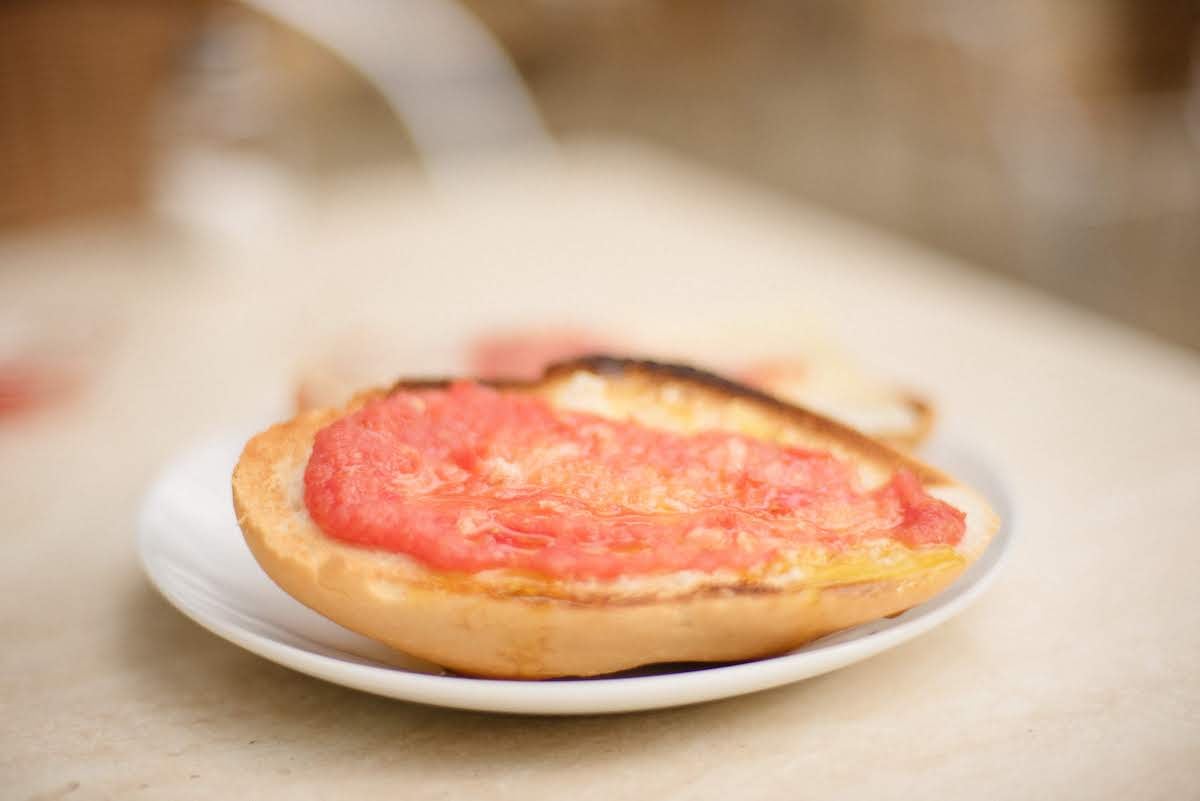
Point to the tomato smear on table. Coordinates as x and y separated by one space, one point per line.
468 478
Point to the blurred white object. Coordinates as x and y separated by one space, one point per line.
228 197
437 67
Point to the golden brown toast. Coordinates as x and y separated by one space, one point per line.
515 624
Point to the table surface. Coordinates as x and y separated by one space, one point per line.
1076 676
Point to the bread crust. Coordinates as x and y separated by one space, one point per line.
502 625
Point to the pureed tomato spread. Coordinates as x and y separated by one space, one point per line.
469 478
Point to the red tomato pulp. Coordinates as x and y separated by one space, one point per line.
468 478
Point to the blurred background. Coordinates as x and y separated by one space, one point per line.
1052 141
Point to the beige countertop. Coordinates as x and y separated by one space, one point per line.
1076 676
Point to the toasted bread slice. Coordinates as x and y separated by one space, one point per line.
517 624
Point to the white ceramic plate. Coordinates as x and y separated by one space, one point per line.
193 552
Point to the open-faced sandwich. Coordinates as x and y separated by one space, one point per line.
610 514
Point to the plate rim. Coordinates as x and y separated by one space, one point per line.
601 695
